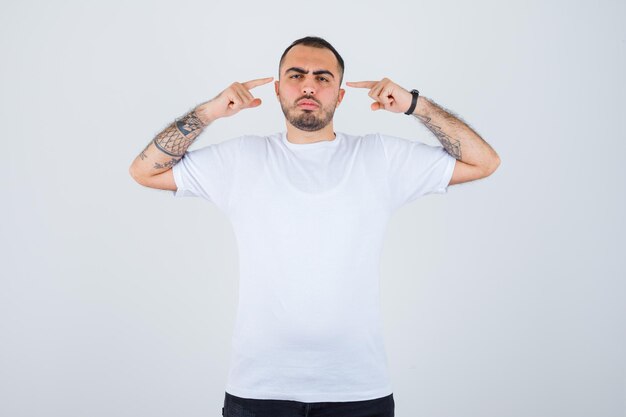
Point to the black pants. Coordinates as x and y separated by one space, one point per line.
251 407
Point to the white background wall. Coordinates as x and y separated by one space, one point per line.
504 297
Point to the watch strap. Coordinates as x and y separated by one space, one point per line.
415 94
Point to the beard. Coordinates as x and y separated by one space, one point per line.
308 120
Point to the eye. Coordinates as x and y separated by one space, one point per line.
295 75
324 78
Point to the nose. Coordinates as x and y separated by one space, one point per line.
308 89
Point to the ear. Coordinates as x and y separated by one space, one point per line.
340 97
276 87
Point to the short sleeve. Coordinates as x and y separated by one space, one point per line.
415 169
208 172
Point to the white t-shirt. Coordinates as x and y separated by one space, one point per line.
310 221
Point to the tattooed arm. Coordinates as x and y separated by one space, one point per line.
169 146
152 167
458 139
474 157
455 135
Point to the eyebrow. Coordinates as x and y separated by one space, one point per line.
301 71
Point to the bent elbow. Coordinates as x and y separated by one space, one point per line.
494 165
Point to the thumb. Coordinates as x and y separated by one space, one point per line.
375 106
256 102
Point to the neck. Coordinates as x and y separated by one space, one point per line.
295 135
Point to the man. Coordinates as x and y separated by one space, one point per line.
309 207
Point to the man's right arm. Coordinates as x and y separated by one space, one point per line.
153 166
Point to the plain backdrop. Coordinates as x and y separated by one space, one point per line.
503 297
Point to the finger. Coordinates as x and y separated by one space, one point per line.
255 83
361 84
375 92
236 101
375 106
385 96
255 103
384 102
244 93
248 99
244 99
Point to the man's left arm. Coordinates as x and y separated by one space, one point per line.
475 158
459 140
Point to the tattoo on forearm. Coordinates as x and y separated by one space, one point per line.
178 136
451 145
168 164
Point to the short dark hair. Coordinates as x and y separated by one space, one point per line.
315 42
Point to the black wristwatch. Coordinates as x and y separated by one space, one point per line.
416 94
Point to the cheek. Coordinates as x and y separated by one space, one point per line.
329 95
289 92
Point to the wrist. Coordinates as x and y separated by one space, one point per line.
204 114
421 107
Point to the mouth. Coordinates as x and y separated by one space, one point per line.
308 104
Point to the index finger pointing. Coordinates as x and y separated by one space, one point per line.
361 84
255 83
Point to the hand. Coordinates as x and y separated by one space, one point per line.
230 101
387 95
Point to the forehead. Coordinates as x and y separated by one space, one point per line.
308 57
